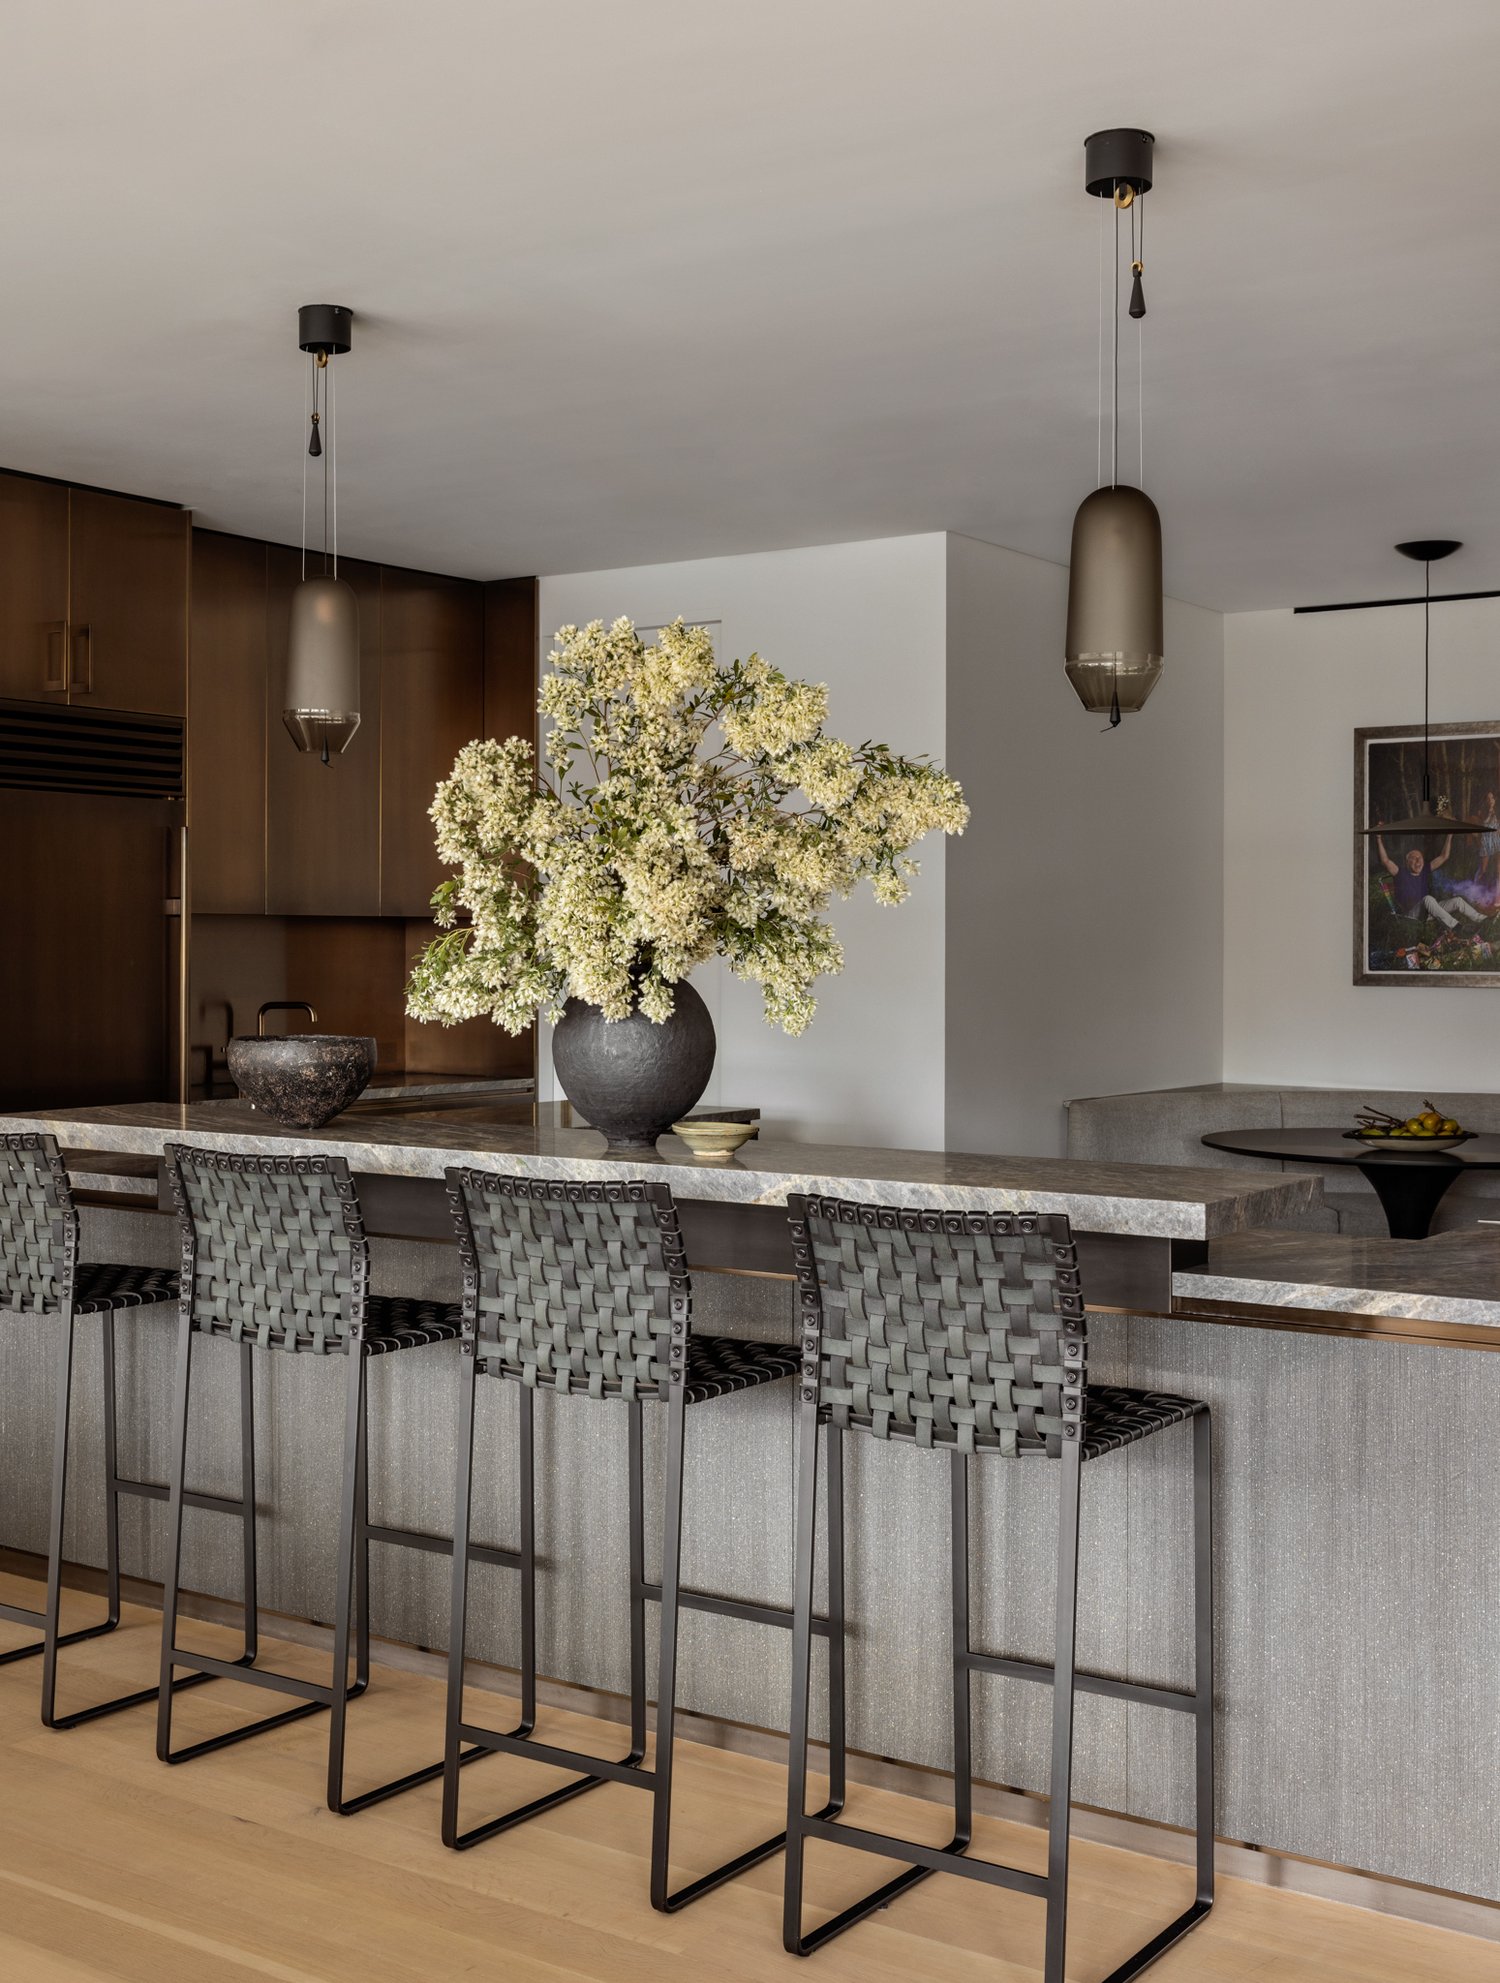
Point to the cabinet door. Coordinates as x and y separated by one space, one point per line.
432 704
322 820
227 730
129 603
510 657
86 989
33 589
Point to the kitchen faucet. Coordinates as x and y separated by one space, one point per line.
282 1005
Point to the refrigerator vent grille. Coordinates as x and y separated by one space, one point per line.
48 747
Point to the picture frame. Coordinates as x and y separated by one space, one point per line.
1423 915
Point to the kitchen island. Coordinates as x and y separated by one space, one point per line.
1356 1571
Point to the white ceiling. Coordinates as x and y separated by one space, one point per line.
649 279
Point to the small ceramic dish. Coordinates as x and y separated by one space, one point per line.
710 1140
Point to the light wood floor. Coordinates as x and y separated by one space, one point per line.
113 1866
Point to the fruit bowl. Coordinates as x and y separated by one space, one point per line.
1407 1143
1432 1130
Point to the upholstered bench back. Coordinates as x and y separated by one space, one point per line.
1165 1125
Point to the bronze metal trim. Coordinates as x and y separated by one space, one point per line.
1332 1322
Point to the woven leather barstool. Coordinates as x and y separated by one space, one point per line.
274 1257
965 1331
584 1289
41 1273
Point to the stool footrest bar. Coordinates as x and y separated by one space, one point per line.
730 1607
934 1858
1084 1683
151 1490
315 1691
442 1545
604 1768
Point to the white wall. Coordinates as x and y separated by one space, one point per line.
869 620
1085 921
1297 688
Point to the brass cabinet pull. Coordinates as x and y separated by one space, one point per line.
85 686
55 676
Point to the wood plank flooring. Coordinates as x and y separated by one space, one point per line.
230 1868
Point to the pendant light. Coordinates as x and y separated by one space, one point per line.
1114 640
1431 818
322 671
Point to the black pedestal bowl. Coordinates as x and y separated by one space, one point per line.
302 1079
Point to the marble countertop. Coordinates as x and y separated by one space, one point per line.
409 1084
1159 1201
1452 1278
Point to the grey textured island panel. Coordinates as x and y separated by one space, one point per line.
1357 1557
1451 1278
1142 1200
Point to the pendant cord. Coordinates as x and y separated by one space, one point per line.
1114 403
1099 404
1427 685
326 453
1138 255
306 411
333 464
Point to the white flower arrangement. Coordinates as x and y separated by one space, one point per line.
656 844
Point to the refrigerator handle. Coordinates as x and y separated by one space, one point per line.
176 906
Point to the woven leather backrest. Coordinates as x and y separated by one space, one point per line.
274 1248
38 1224
574 1286
959 1329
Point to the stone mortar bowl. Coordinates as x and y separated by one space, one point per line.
302 1079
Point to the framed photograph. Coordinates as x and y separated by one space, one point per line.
1427 908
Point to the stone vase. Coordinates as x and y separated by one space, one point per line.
631 1078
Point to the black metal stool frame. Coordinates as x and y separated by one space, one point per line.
41 1152
354 1340
1062 1675
669 1594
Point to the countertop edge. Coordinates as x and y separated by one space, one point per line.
1240 1207
1317 1297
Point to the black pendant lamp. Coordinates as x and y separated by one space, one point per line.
1432 819
1114 640
322 673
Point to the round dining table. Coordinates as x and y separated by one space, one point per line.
1409 1179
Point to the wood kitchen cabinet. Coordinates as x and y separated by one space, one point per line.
432 704
511 652
226 735
33 589
93 598
128 603
322 820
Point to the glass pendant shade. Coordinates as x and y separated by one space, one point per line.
1114 644
322 672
